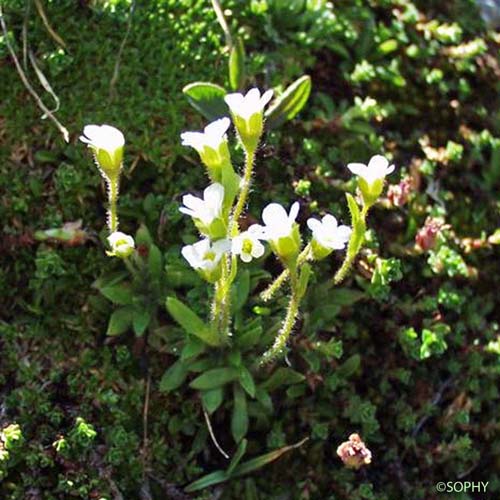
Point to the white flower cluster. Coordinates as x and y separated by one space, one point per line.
279 228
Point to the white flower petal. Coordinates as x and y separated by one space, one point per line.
237 245
257 249
192 202
234 101
218 127
344 232
103 137
330 222
266 97
246 257
213 196
256 230
274 215
294 211
378 162
190 255
314 225
195 140
357 168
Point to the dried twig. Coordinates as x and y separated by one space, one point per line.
26 82
435 401
223 23
25 34
48 27
145 425
116 71
212 435
44 82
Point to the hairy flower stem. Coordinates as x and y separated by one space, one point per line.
271 290
245 189
355 243
288 323
112 209
221 311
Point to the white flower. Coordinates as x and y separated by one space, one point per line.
207 209
122 245
107 143
103 137
247 105
378 167
328 233
212 136
205 256
278 224
247 244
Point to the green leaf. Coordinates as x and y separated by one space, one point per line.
345 296
388 46
305 274
207 98
190 321
349 367
120 294
288 104
200 365
120 321
353 209
264 399
240 452
178 276
110 279
282 376
212 399
259 462
155 262
216 377
143 236
237 65
240 290
192 348
219 476
246 381
140 320
251 334
174 376
239 419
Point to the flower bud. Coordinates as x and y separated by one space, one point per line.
122 245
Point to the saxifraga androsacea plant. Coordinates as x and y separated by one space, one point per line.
221 351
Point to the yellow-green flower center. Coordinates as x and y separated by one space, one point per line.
247 246
209 255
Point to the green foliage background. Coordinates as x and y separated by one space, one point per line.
406 353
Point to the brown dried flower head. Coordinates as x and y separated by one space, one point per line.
354 452
426 236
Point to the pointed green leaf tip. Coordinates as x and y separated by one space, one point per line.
190 321
288 104
237 66
207 98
